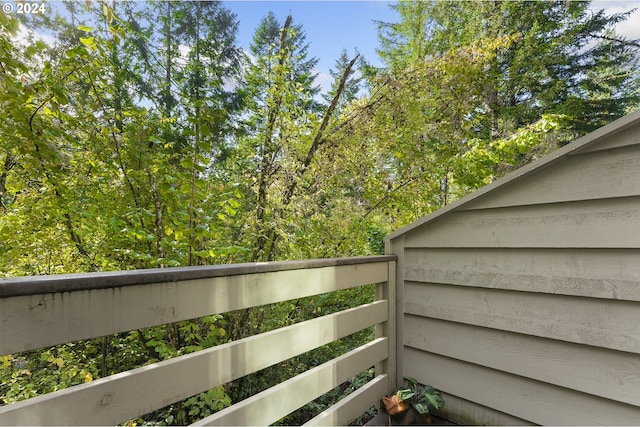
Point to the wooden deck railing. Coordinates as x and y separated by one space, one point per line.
43 311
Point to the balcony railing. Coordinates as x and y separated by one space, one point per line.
37 312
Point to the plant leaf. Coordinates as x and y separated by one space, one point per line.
422 408
87 41
435 400
430 390
412 382
406 394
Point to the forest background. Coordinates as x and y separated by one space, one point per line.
143 136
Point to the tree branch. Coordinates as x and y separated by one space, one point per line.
75 237
318 141
9 162
372 208
631 43
49 98
266 151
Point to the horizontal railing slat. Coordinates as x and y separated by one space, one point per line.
273 404
124 396
353 405
31 285
33 321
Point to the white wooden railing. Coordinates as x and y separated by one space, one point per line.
43 311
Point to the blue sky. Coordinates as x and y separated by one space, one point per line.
330 26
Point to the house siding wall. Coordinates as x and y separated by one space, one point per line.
524 303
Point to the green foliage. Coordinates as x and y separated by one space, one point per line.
473 90
551 68
30 374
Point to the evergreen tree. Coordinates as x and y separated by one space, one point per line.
560 48
352 86
472 90
405 43
280 94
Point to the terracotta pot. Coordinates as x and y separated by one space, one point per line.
395 405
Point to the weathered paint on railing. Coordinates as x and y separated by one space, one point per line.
37 312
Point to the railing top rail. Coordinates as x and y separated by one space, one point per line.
33 285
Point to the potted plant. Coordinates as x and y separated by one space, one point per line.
411 405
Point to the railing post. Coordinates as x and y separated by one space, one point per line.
396 247
387 291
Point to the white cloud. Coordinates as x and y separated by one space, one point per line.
629 28
26 36
325 80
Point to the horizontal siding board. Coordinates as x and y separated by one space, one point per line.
464 412
623 138
533 401
271 405
353 405
596 322
123 396
605 373
611 223
599 175
33 321
597 273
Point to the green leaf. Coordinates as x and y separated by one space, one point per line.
421 407
406 394
412 382
435 400
85 28
430 390
87 41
